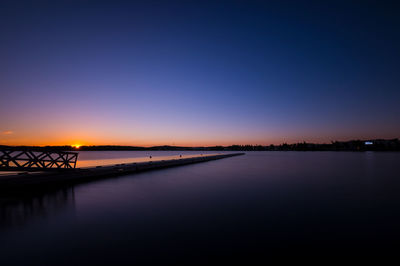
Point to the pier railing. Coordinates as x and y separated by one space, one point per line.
29 160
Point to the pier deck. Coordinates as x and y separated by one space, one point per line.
24 181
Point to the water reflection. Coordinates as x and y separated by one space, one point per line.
248 206
17 210
104 162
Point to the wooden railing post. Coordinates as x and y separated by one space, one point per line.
12 159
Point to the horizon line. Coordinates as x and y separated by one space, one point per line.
206 146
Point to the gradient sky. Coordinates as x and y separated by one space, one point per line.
198 73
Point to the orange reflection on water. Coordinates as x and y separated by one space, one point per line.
108 162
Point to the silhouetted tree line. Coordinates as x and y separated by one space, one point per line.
353 145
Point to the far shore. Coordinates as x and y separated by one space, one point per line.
352 145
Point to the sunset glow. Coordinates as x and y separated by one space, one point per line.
191 132
251 78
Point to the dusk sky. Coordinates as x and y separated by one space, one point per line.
198 73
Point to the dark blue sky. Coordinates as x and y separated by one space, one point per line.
198 73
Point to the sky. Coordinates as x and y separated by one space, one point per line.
198 73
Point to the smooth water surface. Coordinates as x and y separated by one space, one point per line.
102 158
251 206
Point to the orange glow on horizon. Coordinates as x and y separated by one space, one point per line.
77 139
139 142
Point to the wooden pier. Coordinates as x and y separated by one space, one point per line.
36 160
24 181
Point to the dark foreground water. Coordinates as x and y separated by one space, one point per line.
247 207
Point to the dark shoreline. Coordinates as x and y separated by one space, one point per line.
352 145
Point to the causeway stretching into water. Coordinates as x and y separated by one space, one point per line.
41 180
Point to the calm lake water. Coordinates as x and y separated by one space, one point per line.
248 207
90 158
